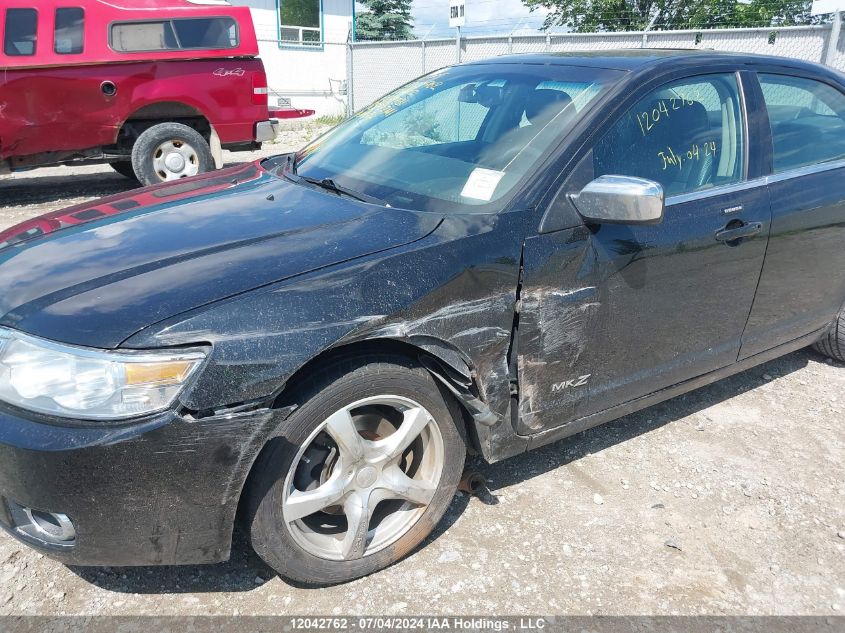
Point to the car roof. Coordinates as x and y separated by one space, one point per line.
634 58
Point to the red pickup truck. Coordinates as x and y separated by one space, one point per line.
156 88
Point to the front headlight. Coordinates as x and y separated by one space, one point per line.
82 383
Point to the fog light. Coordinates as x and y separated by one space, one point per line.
54 526
46 528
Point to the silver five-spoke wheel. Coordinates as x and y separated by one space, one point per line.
359 473
363 478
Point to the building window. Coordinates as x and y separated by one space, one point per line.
169 35
301 22
21 29
70 29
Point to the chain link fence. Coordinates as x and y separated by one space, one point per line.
376 68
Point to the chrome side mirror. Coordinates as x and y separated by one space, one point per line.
620 200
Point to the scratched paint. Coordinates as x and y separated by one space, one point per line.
553 335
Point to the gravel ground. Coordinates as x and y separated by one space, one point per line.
729 500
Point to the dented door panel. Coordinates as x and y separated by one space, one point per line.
614 312
556 310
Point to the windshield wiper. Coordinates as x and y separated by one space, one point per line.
330 185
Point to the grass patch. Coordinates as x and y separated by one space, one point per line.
330 119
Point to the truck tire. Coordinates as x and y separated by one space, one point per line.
170 151
124 168
832 344
333 497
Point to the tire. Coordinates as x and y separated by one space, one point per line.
125 169
298 552
170 151
832 344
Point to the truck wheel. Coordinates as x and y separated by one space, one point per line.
832 344
361 473
170 151
124 168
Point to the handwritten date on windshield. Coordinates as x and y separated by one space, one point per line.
672 159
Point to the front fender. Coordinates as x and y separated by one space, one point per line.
451 294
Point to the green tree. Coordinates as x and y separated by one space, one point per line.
776 13
587 16
385 20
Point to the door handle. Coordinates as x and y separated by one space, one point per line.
733 232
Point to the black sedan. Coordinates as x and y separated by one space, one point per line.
493 257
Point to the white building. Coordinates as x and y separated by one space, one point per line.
303 45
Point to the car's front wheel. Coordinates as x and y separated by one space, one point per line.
363 471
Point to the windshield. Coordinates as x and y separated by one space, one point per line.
456 140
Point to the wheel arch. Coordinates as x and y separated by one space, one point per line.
153 112
445 362
412 349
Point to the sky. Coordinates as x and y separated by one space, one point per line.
483 17
431 18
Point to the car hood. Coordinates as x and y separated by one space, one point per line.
95 274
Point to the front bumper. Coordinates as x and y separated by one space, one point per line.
266 130
161 491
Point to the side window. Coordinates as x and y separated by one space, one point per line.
20 33
136 37
300 22
686 135
70 29
807 119
206 33
448 116
192 33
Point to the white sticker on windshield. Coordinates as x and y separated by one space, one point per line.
482 183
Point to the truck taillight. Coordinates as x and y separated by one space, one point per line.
259 89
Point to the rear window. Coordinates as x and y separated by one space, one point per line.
70 28
165 35
20 33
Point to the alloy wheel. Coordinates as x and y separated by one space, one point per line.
363 478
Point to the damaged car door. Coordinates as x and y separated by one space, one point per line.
615 309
